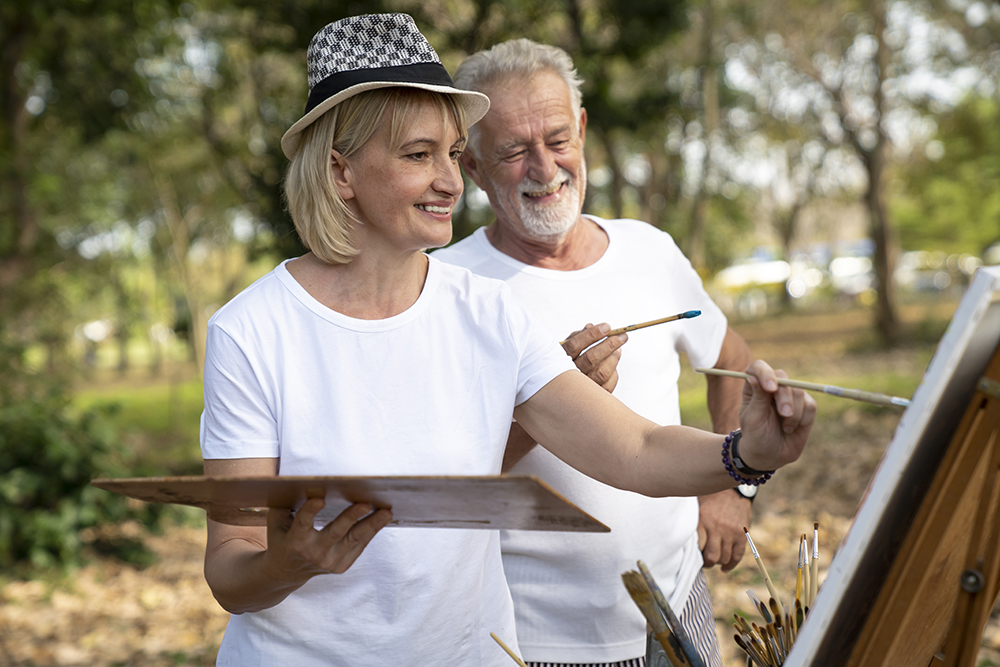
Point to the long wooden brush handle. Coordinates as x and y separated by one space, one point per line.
509 652
855 394
643 325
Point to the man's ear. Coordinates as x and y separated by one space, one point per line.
342 175
583 125
471 167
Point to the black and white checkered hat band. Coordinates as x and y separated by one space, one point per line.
367 42
433 74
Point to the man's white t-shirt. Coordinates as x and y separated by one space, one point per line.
427 392
570 603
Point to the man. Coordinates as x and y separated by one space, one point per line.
569 269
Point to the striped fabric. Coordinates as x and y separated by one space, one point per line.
697 618
699 621
635 662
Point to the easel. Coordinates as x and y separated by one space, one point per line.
945 579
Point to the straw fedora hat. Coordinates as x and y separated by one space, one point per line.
373 51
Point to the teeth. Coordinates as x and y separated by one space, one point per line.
433 209
543 193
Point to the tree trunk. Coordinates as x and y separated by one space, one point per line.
180 233
881 233
881 228
695 241
17 264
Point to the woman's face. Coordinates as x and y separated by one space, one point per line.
405 196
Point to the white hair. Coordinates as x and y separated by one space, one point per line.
516 59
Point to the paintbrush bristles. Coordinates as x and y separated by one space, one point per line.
685 644
639 591
763 570
769 645
642 325
643 598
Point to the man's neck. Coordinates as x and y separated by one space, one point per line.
580 247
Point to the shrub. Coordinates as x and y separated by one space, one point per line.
48 457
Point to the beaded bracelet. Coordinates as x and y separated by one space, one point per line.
735 465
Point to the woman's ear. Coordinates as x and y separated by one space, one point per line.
342 175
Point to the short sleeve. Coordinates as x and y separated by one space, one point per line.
542 357
237 421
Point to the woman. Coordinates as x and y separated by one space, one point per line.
367 357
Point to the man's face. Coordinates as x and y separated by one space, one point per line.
529 158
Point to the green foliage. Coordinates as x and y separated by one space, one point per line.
935 207
48 457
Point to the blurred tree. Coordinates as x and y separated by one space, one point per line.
68 76
854 68
933 202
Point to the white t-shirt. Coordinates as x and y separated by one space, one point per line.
570 603
427 392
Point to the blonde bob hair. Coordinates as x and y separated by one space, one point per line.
322 218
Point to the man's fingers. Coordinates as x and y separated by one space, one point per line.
600 362
711 552
578 341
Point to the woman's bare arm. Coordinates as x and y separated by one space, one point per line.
594 432
251 568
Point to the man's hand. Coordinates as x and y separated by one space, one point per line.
721 518
598 362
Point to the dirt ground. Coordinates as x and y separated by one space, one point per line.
108 614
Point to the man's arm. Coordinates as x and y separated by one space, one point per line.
598 362
725 393
723 515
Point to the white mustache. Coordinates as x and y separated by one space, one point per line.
532 187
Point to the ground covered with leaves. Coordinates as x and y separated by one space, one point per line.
108 613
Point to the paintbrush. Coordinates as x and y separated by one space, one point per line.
855 394
802 564
752 653
643 598
509 651
768 641
814 567
760 606
779 631
806 579
632 327
763 571
672 621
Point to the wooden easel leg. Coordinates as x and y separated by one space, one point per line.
981 577
919 610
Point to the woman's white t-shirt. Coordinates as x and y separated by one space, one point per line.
427 392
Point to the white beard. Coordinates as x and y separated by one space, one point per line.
553 221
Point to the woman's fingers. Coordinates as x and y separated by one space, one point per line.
777 418
350 534
331 549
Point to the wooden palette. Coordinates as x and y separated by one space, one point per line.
488 502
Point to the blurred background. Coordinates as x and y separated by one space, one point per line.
832 169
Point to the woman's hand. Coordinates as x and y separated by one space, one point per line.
297 551
775 420
250 568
